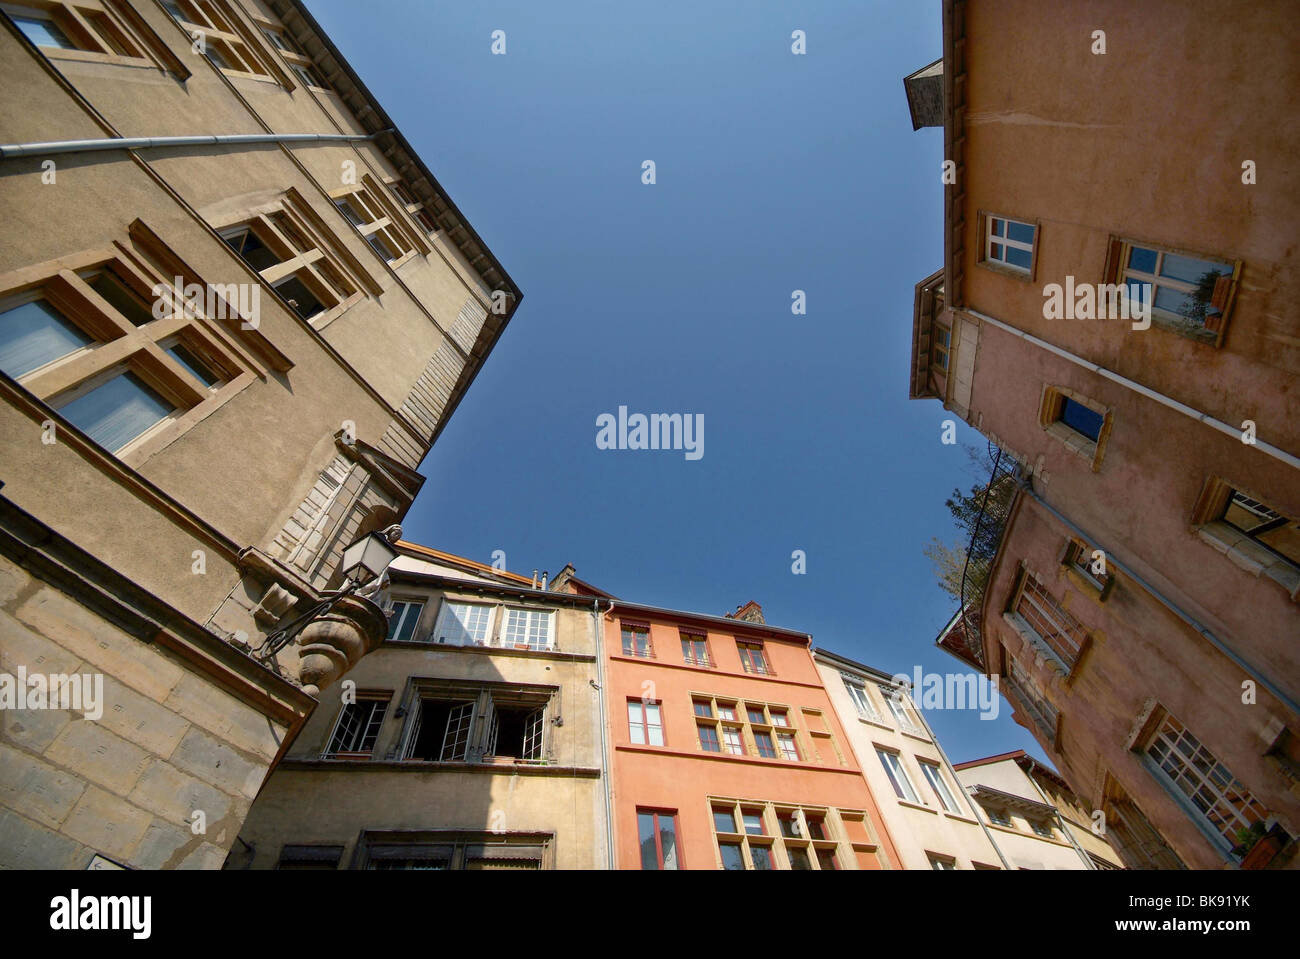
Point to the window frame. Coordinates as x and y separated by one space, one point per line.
691 658
96 29
396 623
117 345
985 220
379 700
644 706
1065 658
747 648
932 773
1117 270
898 776
548 617
445 613
1051 410
635 628
656 814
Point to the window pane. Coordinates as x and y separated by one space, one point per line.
1142 260
301 299
193 365
654 728
118 411
636 728
799 858
43 33
731 856
1081 419
826 859
121 299
724 820
645 824
762 856
1021 232
1189 269
34 334
250 246
754 823
379 246
1018 257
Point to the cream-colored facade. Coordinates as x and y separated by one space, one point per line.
474 740
934 824
179 482
1037 821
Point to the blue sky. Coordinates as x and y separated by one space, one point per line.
775 173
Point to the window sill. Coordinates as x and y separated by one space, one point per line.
1251 556
960 818
1041 651
1024 276
912 805
1076 443
875 722
91 56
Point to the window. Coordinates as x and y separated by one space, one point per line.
894 699
412 205
731 740
309 857
1040 710
779 717
695 650
1221 802
402 621
1080 423
753 820
941 347
788 748
762 856
788 824
1188 295
451 849
724 820
464 624
763 741
376 223
816 826
279 246
227 43
293 55
708 739
1263 524
128 398
941 863
756 715
897 775
752 658
657 834
826 859
861 701
934 776
702 707
357 727
999 817
516 730
1051 626
636 641
645 728
1009 243
441 730
1042 828
726 711
733 857
799 858
1081 419
528 628
1078 557
88 27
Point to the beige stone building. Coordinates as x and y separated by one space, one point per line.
473 739
1114 312
1037 821
933 822
181 471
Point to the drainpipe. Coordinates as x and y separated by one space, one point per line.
598 619
1087 860
1169 604
10 151
962 789
1210 421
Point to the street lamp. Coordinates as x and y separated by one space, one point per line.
364 562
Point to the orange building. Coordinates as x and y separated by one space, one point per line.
726 750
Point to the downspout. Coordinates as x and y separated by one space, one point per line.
1169 604
1273 451
598 618
10 151
1087 860
962 789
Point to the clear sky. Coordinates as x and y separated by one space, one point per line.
775 173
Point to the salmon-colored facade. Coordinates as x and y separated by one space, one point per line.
727 752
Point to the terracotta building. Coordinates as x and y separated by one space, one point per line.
1037 821
1113 312
236 309
471 740
727 752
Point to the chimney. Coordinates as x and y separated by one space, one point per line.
534 579
751 612
545 574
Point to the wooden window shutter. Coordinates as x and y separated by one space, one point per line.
1114 256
